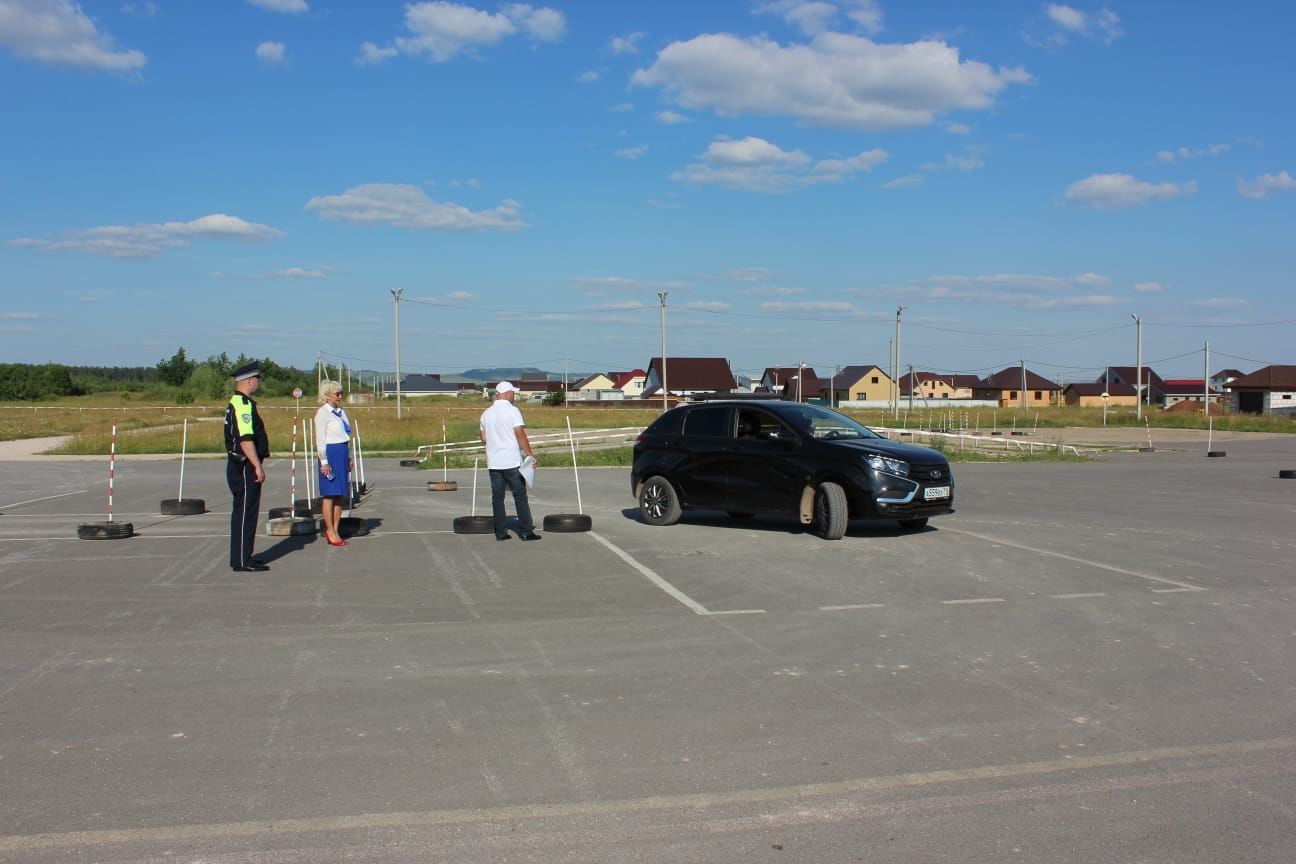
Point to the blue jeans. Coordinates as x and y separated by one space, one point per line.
512 478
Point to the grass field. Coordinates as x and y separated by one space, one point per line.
156 428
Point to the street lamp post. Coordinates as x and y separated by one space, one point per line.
895 370
396 296
661 296
1138 369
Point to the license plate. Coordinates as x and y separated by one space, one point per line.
933 493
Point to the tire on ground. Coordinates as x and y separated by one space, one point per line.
567 523
409 463
182 506
105 530
830 511
659 502
474 525
353 526
443 485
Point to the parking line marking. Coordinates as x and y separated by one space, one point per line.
1089 594
46 498
1173 590
1088 563
647 573
1150 760
971 600
850 606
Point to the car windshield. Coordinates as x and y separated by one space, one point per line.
821 423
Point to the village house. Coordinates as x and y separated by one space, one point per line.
689 376
797 383
1184 390
631 384
932 386
1154 385
1005 388
861 383
1271 390
1090 396
413 386
1221 380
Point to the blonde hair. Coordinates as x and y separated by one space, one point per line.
327 387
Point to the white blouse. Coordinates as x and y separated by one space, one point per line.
330 428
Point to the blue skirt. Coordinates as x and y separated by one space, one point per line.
337 459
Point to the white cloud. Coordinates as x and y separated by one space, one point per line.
1264 184
867 14
16 316
834 80
59 33
746 274
441 31
150 240
1221 303
1117 191
906 180
623 107
408 207
811 16
144 10
1169 156
969 161
628 44
1018 281
958 128
1148 287
773 291
708 305
299 273
1103 24
271 53
632 153
282 5
757 165
589 76
602 286
670 118
808 306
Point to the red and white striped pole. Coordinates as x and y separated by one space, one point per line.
292 502
112 467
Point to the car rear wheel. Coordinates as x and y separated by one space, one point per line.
658 502
914 524
830 511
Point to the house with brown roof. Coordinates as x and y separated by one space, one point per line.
792 382
1090 396
1153 384
1221 380
861 383
1005 388
538 388
932 385
1271 390
689 376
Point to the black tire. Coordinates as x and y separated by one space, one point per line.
105 530
443 485
916 524
830 511
409 463
567 523
1287 473
659 502
474 525
306 507
182 506
740 516
280 513
353 526
1215 454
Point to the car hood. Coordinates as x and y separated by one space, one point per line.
908 452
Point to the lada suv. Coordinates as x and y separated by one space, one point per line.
784 458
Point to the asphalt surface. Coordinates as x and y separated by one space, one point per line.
1087 662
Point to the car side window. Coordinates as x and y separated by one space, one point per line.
759 425
707 422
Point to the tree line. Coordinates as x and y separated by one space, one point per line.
177 378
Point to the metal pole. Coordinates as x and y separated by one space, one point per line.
1023 390
911 386
895 372
1106 395
800 375
1206 382
1138 375
396 295
661 296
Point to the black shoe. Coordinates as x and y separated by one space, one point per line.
506 537
252 567
531 536
258 562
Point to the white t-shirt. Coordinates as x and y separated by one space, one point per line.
499 422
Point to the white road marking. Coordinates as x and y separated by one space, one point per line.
1087 562
46 498
850 606
970 600
1080 596
647 573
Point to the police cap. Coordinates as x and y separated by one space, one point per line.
251 370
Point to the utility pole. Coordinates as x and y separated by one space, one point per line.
661 296
800 375
396 295
1023 390
911 387
1138 382
1106 394
1206 383
895 370
832 386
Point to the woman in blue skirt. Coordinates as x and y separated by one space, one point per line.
332 434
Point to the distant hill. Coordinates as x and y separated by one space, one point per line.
505 373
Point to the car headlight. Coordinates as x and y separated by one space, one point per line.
887 464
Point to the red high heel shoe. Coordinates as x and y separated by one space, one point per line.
338 543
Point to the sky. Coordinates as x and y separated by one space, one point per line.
1023 178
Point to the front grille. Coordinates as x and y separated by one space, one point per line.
936 474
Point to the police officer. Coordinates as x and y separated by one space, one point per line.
247 448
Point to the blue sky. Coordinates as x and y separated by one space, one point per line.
257 176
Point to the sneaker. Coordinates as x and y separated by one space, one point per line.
252 567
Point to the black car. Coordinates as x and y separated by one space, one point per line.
786 458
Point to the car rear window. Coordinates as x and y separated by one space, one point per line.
707 422
667 424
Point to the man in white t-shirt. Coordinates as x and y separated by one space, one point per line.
503 431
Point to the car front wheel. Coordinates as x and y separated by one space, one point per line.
830 511
658 502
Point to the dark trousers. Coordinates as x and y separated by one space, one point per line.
241 477
512 478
